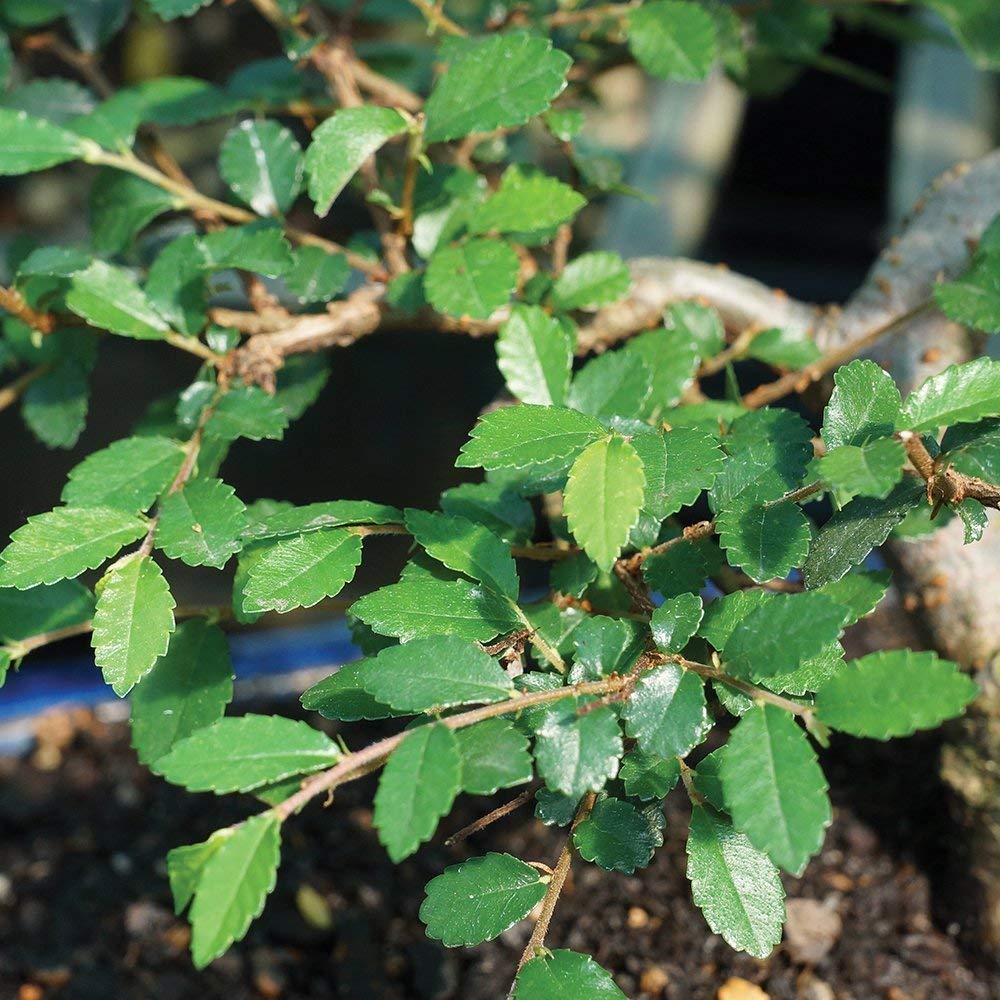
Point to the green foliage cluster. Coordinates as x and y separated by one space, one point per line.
635 491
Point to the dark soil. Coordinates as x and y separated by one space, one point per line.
85 909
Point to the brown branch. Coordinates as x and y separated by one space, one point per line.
692 533
13 301
13 391
944 484
491 817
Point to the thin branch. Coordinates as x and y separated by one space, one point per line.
13 391
750 690
490 818
437 18
13 301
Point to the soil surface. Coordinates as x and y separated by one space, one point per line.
85 909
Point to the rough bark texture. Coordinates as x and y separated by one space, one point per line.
954 585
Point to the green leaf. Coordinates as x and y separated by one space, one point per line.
472 279
342 144
120 206
779 634
774 787
894 693
847 538
764 541
647 776
672 360
109 298
343 696
55 406
725 613
258 246
128 475
577 753
668 715
675 621
683 568
317 275
784 348
603 497
864 405
679 465
479 899
436 607
494 756
792 29
417 787
188 689
974 449
95 22
612 384
871 471
696 324
132 622
201 524
518 437
858 593
247 412
466 547
735 886
974 518
234 885
976 25
34 143
261 161
170 9
672 39
961 394
26 613
591 280
185 866
498 82
240 754
526 203
499 509
974 298
615 836
603 646
316 516
559 974
434 673
555 809
62 543
535 356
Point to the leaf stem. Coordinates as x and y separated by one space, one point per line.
13 391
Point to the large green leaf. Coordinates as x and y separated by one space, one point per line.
535 355
894 693
471 279
735 886
300 572
233 886
64 542
201 524
560 974
577 753
261 161
132 622
603 497
479 899
188 689
864 405
109 298
498 82
342 144
525 203
616 836
961 394
466 547
127 475
976 24
668 715
678 465
774 787
494 756
241 754
34 143
673 39
434 673
417 788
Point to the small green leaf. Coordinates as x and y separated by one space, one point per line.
436 607
62 543
240 754
188 689
128 475
535 356
26 613
247 412
261 161
234 884
858 593
559 974
974 298
518 437
494 756
735 886
466 547
554 808
109 298
434 673
316 516
34 143
784 348
55 406
604 646
342 144
774 787
894 693
591 280
725 613
696 324
961 394
120 206
495 507
479 899
300 572
342 696
316 276
132 622
647 776
765 541
615 836
185 866
525 203
679 465
668 714
603 497
683 568
870 471
616 383
471 279
673 39
974 448
577 753
864 405
497 82
974 518
260 247
417 788
201 524
675 621
672 360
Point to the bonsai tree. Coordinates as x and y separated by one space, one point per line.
607 461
